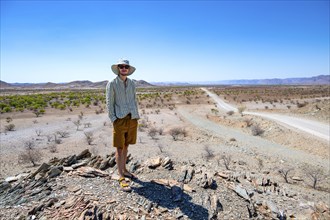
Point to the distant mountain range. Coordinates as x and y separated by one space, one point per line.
69 85
316 80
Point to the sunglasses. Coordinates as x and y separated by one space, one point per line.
123 66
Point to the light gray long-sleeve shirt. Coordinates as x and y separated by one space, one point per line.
121 99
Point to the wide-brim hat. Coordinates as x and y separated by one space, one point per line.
114 67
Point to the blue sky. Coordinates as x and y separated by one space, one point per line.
63 41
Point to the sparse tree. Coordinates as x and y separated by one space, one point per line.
285 173
315 174
30 154
37 113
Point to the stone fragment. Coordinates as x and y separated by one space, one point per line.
242 192
67 169
167 163
54 172
4 186
154 163
297 178
42 169
84 154
90 172
17 177
77 165
222 175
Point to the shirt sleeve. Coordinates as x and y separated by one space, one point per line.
110 99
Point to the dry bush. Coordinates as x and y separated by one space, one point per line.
77 123
38 132
63 134
57 140
89 137
10 127
209 153
152 132
260 164
256 130
300 105
241 109
30 154
215 111
49 138
230 112
143 125
226 161
177 132
53 148
248 122
9 119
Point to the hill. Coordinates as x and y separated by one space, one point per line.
85 84
315 80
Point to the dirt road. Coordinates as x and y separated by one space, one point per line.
312 127
252 143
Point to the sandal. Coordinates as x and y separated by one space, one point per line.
124 186
130 175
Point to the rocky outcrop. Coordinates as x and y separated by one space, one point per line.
86 186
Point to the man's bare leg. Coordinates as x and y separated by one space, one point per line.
120 161
125 151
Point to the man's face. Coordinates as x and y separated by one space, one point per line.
123 69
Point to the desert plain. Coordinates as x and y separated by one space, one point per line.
283 170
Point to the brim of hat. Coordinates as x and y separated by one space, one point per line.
114 69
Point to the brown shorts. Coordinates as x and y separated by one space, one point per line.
124 131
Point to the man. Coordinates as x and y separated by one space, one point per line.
123 113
